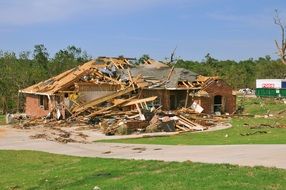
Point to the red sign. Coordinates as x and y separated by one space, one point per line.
268 85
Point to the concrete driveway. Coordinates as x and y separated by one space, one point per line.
245 155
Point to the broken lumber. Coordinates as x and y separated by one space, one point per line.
182 128
139 101
99 112
191 125
92 103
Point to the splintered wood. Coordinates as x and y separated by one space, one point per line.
115 105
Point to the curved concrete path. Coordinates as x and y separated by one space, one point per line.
246 155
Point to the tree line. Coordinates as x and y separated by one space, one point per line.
238 74
30 67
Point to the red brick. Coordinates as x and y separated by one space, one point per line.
33 108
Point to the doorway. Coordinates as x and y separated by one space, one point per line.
218 104
173 102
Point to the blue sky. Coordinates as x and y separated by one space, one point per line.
227 29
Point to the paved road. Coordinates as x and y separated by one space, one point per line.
246 155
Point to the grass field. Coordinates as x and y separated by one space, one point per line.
36 170
261 106
239 133
232 135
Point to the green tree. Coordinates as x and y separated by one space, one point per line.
41 58
143 58
68 58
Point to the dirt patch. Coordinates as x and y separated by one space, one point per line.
60 135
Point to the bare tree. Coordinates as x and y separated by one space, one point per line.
172 59
282 47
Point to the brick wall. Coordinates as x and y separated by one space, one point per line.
33 108
216 88
163 96
219 88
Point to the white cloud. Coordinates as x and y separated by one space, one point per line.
21 12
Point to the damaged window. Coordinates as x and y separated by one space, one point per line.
44 102
157 103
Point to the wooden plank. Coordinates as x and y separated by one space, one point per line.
146 106
191 85
67 81
111 60
67 92
187 98
97 101
141 101
186 119
142 117
183 118
60 81
99 112
199 128
130 78
97 72
170 73
186 124
190 123
182 128
185 84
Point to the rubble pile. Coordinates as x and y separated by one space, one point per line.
105 95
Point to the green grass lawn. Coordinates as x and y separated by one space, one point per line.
228 136
261 106
36 170
234 135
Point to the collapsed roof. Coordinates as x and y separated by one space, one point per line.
116 71
67 78
169 77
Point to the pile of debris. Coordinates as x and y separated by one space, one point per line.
104 94
60 135
142 119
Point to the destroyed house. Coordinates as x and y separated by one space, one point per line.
177 87
72 88
101 85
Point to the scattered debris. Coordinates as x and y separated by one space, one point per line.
96 188
195 106
15 187
139 148
59 135
253 133
39 136
13 118
84 136
261 126
119 98
107 152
